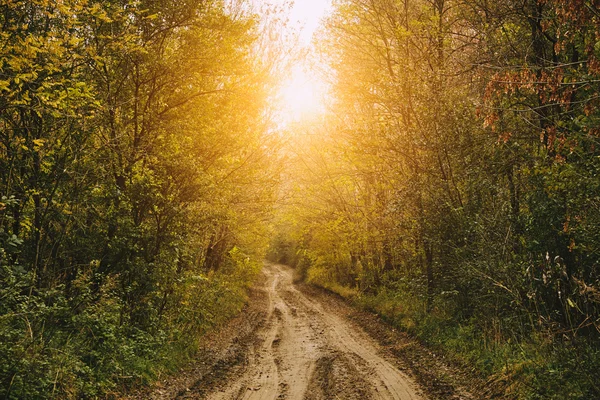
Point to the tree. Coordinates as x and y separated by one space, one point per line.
136 180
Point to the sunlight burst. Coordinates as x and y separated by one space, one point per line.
301 96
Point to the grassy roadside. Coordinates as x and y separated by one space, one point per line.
540 367
221 298
81 347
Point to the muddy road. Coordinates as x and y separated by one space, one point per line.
302 343
309 352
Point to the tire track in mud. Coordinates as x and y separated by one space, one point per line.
308 352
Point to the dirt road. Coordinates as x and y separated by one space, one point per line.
309 352
292 343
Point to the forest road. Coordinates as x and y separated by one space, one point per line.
304 349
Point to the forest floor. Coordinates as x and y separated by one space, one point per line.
294 341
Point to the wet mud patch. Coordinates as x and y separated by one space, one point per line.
334 377
223 354
438 376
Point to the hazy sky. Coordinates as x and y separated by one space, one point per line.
306 14
301 93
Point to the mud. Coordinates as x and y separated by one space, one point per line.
309 352
296 342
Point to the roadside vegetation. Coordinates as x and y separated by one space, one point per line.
134 173
453 186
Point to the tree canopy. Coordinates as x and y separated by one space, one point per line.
134 170
453 186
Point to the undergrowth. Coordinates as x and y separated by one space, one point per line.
536 366
77 342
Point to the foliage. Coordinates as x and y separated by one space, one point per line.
453 186
134 170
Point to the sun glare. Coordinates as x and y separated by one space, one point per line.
301 96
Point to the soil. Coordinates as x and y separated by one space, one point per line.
298 342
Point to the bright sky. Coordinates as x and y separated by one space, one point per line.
307 14
302 93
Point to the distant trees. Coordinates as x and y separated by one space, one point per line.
456 177
404 110
134 170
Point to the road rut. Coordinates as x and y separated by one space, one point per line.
305 351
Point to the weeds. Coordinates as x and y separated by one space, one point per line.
529 367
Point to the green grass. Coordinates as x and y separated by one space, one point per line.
83 345
537 366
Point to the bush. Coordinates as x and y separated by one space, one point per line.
77 343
